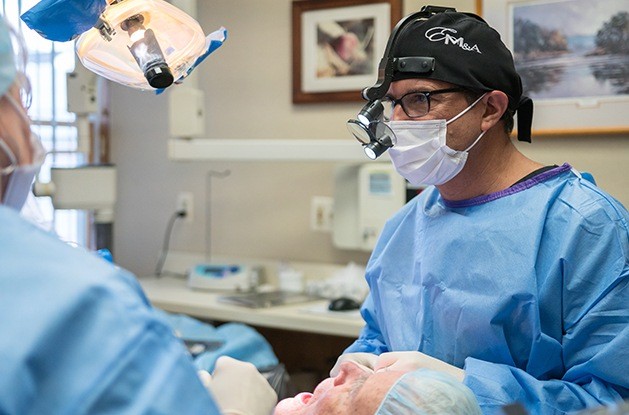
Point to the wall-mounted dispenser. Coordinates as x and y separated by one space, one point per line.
365 196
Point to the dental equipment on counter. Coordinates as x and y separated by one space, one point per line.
240 285
252 284
223 277
144 44
267 299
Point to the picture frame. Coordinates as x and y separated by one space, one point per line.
337 46
578 81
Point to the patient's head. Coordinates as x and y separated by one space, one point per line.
360 391
356 387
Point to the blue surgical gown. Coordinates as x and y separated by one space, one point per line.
78 336
526 289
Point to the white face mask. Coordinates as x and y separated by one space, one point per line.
20 177
421 155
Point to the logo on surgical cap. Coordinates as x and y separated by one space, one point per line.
442 34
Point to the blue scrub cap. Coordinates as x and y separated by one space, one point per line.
427 392
8 71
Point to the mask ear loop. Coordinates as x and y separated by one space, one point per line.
27 131
459 115
19 108
462 113
5 147
475 141
13 160
26 94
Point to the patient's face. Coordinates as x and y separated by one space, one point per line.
355 390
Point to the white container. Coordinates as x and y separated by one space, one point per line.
291 280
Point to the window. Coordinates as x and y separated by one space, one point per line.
48 64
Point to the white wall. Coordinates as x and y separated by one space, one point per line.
262 209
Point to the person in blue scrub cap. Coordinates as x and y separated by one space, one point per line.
78 335
508 274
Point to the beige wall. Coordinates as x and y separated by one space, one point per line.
262 209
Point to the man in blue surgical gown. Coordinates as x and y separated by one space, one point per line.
510 275
77 335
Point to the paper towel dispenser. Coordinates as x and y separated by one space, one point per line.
365 196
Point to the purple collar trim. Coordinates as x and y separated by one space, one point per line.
509 191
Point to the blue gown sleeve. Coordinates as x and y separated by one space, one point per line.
595 324
153 375
79 336
593 380
149 373
370 339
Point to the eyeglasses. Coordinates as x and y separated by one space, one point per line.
414 104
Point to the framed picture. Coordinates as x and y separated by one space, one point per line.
573 59
337 45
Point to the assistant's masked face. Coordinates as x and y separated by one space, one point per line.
356 390
21 152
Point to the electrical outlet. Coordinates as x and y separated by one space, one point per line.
321 213
185 203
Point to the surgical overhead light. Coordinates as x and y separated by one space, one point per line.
147 53
142 43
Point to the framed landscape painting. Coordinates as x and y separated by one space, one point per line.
573 57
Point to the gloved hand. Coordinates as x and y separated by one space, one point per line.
205 377
238 388
367 360
409 361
